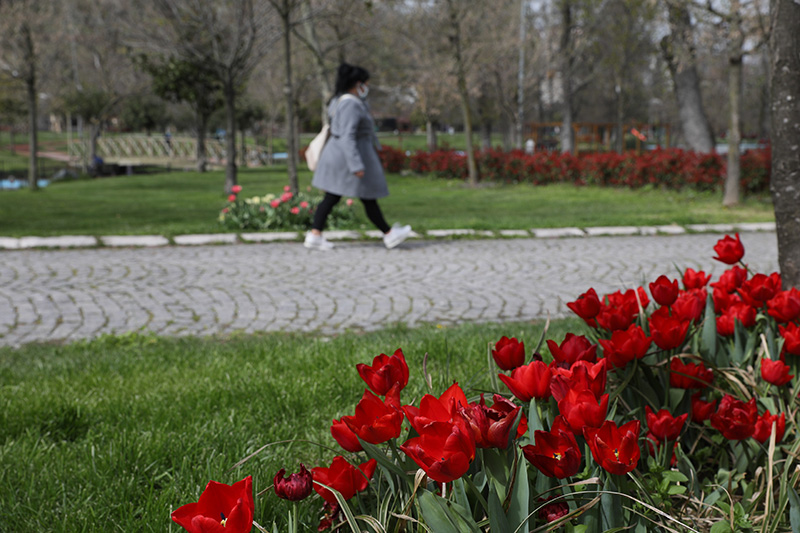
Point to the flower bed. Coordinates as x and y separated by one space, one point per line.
291 212
676 410
671 168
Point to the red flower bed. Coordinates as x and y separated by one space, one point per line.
671 168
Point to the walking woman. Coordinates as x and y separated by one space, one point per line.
349 164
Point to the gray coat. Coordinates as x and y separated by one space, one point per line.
351 147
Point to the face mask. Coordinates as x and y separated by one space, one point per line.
363 91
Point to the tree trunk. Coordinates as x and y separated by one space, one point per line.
620 140
733 175
202 126
520 116
319 60
461 77
33 139
785 180
243 134
486 134
565 57
229 93
30 84
430 133
678 52
291 136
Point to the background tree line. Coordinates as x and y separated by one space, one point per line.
485 66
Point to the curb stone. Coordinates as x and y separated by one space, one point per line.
114 241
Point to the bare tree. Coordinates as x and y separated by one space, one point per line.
285 9
22 37
456 10
679 52
785 180
230 37
740 22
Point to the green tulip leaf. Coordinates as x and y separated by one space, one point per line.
794 510
709 335
444 516
520 497
391 468
497 516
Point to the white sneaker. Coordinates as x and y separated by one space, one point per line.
317 242
396 236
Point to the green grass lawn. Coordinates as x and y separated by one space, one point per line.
113 434
177 202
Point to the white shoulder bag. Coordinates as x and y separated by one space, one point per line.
314 149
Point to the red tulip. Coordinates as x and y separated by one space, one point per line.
616 450
529 381
763 428
221 508
581 409
344 477
377 421
785 306
625 346
552 511
587 306
664 291
443 450
294 488
731 279
775 372
741 312
689 375
555 452
613 319
791 338
723 300
581 376
573 348
701 411
668 332
232 198
757 290
432 409
735 419
690 305
695 280
663 425
492 426
729 250
622 309
385 372
236 189
344 436
509 353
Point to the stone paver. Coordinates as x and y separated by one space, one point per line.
62 295
134 240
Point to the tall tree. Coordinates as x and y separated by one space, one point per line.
22 38
230 37
679 52
785 180
739 22
285 9
191 82
456 11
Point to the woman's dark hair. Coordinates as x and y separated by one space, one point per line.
348 76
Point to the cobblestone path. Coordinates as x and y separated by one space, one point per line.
202 290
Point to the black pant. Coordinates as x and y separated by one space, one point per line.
370 206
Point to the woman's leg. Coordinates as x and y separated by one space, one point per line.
374 215
323 210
